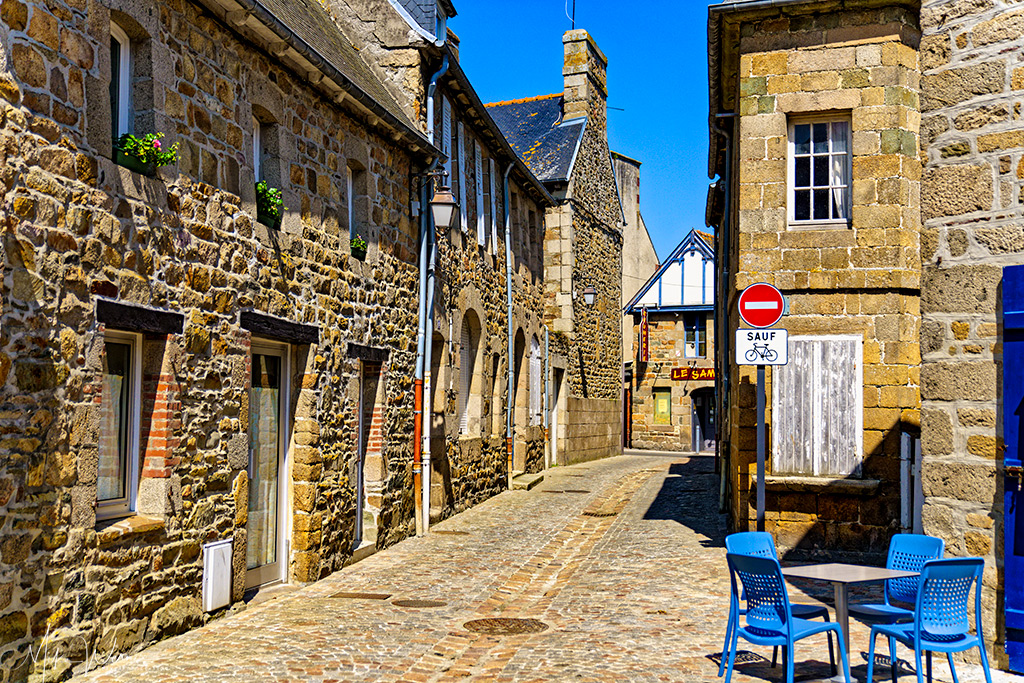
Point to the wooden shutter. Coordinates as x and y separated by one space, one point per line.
463 208
535 382
478 181
465 377
494 204
817 409
446 136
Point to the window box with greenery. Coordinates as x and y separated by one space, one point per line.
358 247
269 205
144 155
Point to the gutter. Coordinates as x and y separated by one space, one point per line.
510 408
425 333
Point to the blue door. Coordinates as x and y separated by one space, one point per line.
1013 430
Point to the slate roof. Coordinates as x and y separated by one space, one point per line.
535 130
311 23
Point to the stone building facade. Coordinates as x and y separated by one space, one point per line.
468 385
841 84
563 138
672 348
931 91
173 372
972 130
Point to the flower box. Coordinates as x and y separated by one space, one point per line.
268 219
134 164
359 253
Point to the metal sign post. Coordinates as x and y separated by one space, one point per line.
761 305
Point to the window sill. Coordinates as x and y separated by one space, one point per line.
852 487
819 225
111 530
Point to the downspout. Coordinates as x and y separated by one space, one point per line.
424 339
722 341
510 407
547 404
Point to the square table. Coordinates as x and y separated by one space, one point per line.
841 576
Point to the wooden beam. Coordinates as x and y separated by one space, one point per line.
119 316
281 330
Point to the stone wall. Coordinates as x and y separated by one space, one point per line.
583 247
972 59
639 259
78 227
862 278
667 346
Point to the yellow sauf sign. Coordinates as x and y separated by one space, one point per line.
683 374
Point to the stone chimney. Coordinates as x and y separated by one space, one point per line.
585 73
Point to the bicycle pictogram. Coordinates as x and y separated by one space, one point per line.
761 352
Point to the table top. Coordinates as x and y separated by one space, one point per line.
844 573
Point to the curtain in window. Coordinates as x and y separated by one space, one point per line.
465 376
264 453
535 382
110 483
840 168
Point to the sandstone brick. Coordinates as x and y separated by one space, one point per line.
951 381
1005 26
956 190
950 87
982 445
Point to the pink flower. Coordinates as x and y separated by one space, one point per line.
156 144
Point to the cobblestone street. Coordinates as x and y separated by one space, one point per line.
622 559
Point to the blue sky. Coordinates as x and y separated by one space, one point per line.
657 73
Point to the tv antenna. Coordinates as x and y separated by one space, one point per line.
573 17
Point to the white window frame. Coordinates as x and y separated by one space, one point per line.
257 149
818 224
478 183
536 381
446 137
350 201
123 507
817 444
463 208
494 203
123 114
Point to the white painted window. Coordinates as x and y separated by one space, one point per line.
478 182
120 81
819 171
463 208
350 201
257 149
817 408
467 361
494 202
536 381
120 407
446 137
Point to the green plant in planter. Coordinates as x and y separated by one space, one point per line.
358 246
269 204
146 153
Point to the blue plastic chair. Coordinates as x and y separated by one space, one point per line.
761 544
941 622
769 616
907 552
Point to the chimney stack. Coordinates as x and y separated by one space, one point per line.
585 72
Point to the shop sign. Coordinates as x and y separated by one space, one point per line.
684 374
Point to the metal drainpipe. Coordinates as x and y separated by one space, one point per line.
547 398
421 476
510 406
428 352
722 313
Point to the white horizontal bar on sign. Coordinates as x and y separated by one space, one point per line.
761 305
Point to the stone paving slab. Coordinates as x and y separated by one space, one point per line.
622 559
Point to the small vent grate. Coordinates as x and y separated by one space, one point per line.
552 491
418 603
576 491
451 532
504 626
600 514
362 596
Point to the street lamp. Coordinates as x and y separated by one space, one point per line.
442 206
589 295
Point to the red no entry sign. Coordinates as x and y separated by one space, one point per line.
761 305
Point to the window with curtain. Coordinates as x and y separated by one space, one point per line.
536 382
819 171
663 406
118 425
